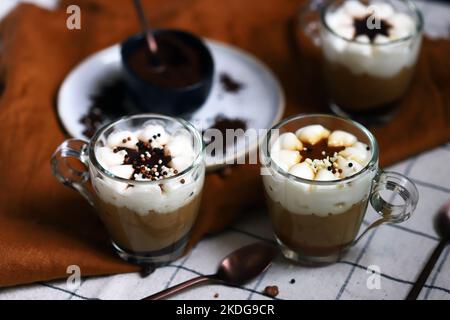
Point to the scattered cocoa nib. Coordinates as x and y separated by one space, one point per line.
229 84
216 295
271 291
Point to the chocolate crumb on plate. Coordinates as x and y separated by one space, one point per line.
222 123
292 281
107 104
216 295
229 84
271 291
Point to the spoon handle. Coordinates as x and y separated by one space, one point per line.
146 26
180 287
417 287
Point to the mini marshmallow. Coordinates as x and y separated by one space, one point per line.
362 146
285 159
339 138
124 138
360 50
399 33
181 163
356 153
340 19
381 39
302 170
362 39
151 132
122 171
179 145
403 25
346 32
312 134
347 170
382 10
276 146
355 8
108 158
325 175
289 141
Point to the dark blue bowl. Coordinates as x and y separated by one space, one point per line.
174 101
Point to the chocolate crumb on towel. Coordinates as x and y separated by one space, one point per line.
271 291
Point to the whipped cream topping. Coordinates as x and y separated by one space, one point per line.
316 153
367 32
148 154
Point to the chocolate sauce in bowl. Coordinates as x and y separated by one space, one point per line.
181 63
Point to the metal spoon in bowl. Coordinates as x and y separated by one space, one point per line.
237 268
442 226
154 60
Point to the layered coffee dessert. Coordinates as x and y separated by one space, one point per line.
151 204
315 209
370 51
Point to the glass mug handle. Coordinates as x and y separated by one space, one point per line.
70 166
398 185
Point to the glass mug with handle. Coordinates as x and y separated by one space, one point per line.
369 52
144 176
315 220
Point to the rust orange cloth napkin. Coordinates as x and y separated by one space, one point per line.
45 227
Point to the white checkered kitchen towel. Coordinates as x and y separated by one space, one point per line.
399 251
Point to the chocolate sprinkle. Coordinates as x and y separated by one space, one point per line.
148 167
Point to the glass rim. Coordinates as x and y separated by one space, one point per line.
369 166
186 124
411 5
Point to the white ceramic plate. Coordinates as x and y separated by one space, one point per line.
260 102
